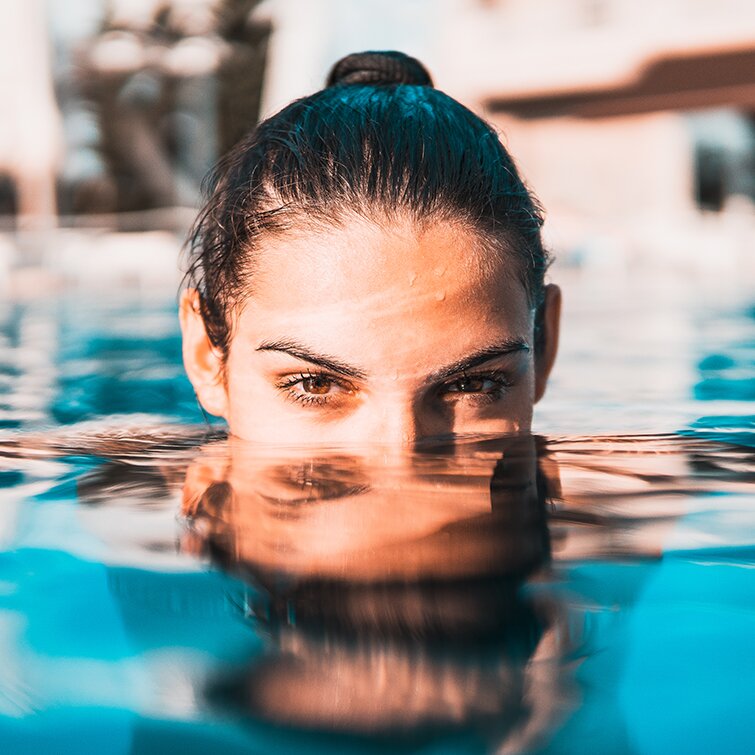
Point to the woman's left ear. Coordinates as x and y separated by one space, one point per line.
549 319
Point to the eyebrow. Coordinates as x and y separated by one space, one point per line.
306 355
475 359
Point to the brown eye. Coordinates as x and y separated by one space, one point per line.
317 385
471 385
314 389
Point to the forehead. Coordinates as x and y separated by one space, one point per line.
385 277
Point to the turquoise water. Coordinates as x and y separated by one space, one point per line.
165 590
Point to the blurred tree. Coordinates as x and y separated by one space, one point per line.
171 92
241 72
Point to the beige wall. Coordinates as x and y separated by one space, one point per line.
605 169
30 129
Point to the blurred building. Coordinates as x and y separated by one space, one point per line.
122 106
633 120
31 147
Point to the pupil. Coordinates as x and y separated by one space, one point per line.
318 385
470 385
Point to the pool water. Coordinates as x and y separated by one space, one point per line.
588 588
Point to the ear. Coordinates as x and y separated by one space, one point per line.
206 470
550 319
203 474
203 362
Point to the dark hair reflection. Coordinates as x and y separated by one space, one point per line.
418 620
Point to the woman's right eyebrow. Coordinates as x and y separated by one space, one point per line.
300 351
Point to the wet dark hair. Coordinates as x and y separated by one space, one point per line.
380 142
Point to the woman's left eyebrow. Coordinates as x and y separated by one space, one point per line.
477 358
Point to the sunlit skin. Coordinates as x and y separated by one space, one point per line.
375 331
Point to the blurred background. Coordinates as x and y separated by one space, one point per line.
632 120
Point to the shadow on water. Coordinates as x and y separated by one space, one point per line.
472 597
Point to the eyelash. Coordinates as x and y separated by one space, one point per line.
288 383
502 382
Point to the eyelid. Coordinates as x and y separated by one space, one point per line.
296 377
501 376
502 383
512 357
287 387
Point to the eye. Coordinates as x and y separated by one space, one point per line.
314 388
488 387
314 481
317 385
472 384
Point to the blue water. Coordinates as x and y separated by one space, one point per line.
162 590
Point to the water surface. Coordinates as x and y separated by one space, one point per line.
164 589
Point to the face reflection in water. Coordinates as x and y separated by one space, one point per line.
392 596
388 579
375 331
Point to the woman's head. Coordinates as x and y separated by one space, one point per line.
369 266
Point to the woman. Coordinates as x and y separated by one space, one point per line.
369 267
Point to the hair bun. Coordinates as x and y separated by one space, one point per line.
379 67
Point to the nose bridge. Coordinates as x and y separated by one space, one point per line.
399 420
399 423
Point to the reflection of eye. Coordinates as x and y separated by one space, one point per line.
314 389
317 481
488 387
